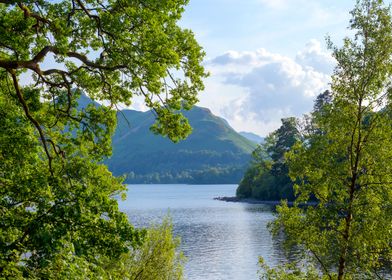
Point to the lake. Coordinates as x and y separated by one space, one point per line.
221 240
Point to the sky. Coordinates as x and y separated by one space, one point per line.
267 58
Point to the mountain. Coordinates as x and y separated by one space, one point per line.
213 153
84 100
252 137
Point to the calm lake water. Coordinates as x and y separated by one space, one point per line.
221 240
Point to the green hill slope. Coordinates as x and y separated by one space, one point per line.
213 153
252 137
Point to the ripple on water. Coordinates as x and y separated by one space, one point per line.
221 240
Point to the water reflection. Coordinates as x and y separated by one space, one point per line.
221 240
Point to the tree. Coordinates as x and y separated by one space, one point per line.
58 204
285 136
348 166
267 177
157 258
322 100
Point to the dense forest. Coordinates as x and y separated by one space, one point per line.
207 175
267 178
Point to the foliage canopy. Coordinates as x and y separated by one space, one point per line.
267 177
58 204
346 163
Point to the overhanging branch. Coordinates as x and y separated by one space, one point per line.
33 64
31 118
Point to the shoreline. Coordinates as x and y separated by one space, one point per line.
248 200
256 201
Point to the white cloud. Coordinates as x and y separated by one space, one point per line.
271 86
275 4
314 56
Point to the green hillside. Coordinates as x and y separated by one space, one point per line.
213 153
252 137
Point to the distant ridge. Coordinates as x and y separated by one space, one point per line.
213 154
252 137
